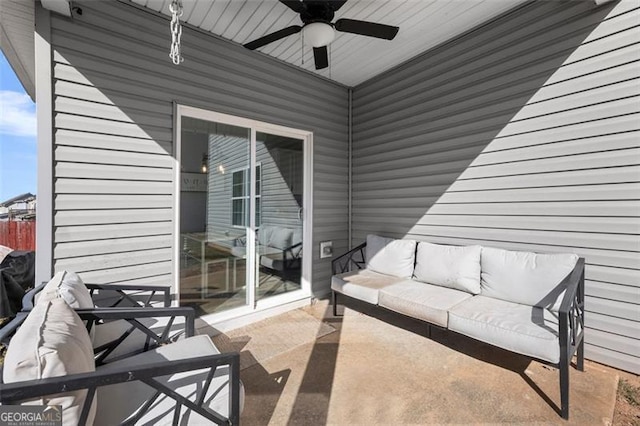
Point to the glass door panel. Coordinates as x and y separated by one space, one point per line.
214 209
278 201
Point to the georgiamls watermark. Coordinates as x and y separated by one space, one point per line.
30 415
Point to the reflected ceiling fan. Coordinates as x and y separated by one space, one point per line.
317 29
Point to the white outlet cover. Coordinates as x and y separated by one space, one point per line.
326 249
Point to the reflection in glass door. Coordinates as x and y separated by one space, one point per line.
279 213
214 215
239 235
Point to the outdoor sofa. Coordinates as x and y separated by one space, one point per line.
528 303
53 359
279 249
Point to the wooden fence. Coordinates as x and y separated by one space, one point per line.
18 235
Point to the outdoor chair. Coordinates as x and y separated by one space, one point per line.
122 319
50 360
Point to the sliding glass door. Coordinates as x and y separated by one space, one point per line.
241 214
214 208
279 248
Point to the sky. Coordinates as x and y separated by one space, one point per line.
18 166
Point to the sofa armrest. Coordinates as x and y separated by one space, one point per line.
571 312
12 393
353 257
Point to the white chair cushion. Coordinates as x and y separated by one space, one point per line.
523 277
70 287
449 266
389 256
519 328
420 300
117 402
52 342
362 284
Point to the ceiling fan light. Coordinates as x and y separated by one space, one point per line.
318 34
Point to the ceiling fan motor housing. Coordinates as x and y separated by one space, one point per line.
317 12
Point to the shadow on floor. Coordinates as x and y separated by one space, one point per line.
462 344
314 396
264 389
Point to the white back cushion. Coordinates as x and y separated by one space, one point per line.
280 238
390 256
52 342
526 278
449 266
68 286
264 234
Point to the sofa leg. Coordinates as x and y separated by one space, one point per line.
564 387
334 302
580 356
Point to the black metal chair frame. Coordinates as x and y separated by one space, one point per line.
13 393
570 316
120 289
131 314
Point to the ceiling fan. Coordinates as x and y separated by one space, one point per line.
317 29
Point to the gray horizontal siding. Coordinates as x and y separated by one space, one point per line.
522 134
114 91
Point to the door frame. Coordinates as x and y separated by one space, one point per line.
254 126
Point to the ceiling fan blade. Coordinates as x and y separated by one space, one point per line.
336 4
295 5
365 28
321 57
270 38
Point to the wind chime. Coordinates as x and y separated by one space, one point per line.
176 31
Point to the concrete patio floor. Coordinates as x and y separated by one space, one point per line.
381 368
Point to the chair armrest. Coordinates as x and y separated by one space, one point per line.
121 290
28 299
10 328
12 393
132 315
97 314
341 263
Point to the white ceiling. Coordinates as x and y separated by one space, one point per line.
353 58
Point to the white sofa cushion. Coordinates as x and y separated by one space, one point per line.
362 284
264 234
117 402
449 266
52 342
523 277
390 256
519 328
420 300
281 238
70 287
